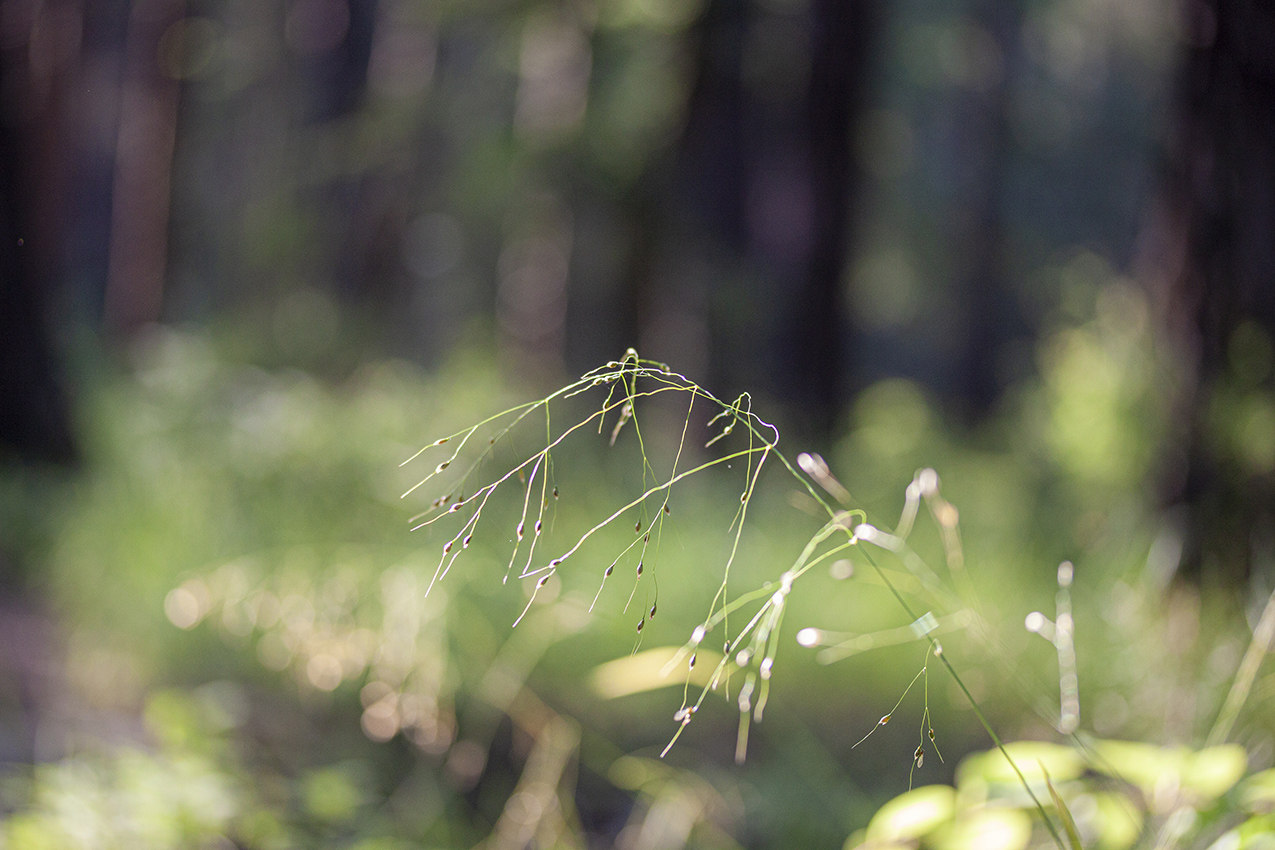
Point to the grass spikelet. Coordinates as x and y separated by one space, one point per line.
739 439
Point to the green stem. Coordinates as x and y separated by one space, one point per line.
978 712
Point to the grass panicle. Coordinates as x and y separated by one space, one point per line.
626 385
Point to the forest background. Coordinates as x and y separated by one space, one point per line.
255 254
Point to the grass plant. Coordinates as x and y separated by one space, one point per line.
748 652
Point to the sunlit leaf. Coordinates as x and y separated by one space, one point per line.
1212 772
1031 757
644 671
1139 764
1205 774
913 814
1118 821
1257 794
986 829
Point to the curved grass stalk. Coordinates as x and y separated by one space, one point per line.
757 641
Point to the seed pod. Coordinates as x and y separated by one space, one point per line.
693 655
447 547
641 623
639 569
542 581
666 509
539 525
637 527
653 611
884 720
610 570
464 544
931 734
520 530
555 492
443 466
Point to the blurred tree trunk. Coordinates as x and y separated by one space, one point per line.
1219 208
990 316
40 48
777 97
141 193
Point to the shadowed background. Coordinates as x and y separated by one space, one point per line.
1027 243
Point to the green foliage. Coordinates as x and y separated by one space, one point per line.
1108 794
235 582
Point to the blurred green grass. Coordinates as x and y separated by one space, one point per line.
243 611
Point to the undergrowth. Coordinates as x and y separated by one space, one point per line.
592 499
748 652
469 469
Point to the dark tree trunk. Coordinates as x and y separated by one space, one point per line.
1220 207
771 175
34 70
